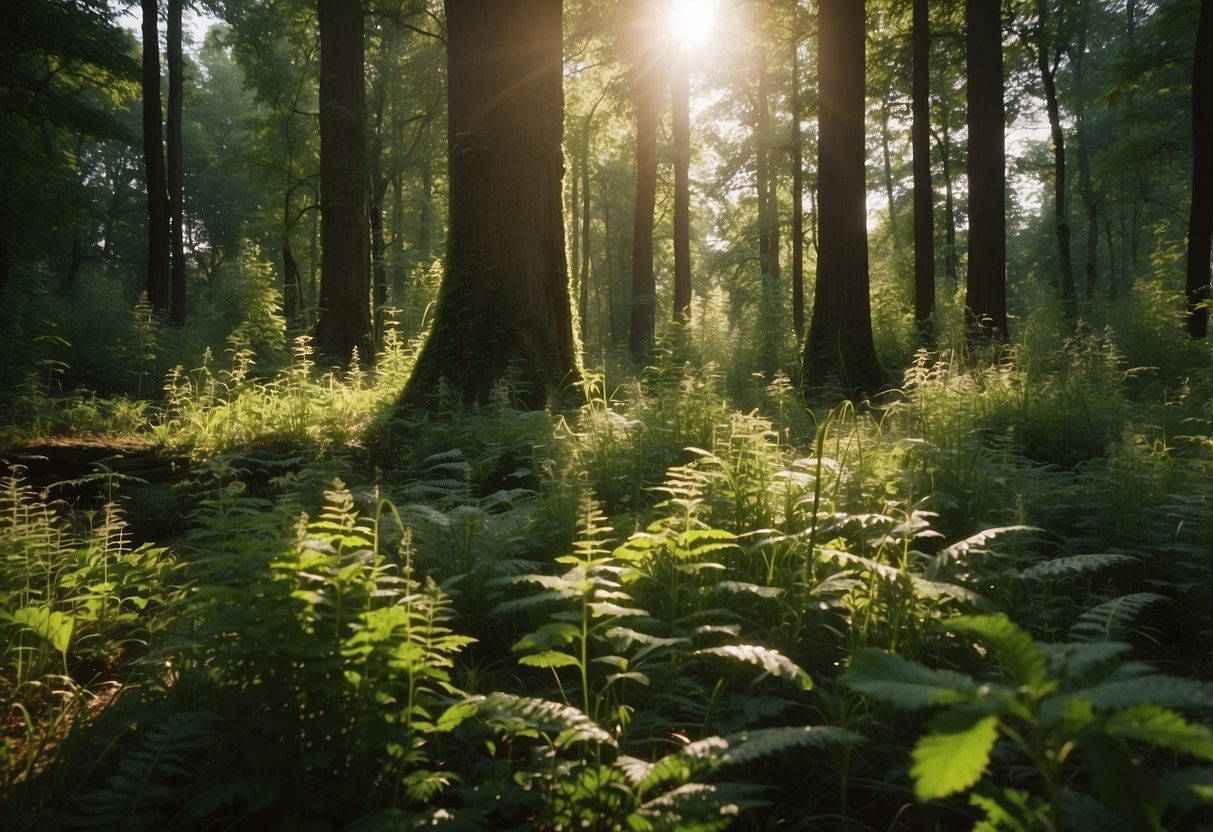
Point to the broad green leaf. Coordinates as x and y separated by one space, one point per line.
1161 728
1020 657
552 634
51 625
549 658
954 755
904 683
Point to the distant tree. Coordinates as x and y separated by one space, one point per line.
797 181
680 97
986 287
924 202
1200 218
176 168
840 349
345 318
153 158
503 310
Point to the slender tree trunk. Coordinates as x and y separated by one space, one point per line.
425 220
153 157
840 349
886 155
176 168
378 194
797 198
1061 222
345 320
924 203
680 95
641 330
768 219
504 313
986 286
292 289
583 305
1200 218
949 203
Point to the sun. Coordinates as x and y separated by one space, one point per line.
692 21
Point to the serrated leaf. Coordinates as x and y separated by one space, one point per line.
1111 619
1075 565
1020 657
548 658
904 683
1161 728
954 755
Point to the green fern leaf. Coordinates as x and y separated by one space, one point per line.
771 661
1052 570
1113 618
973 544
521 715
1157 689
1019 655
955 754
904 683
549 658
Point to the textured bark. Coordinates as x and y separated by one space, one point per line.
1200 218
153 161
503 310
642 328
345 318
840 349
986 285
680 95
176 168
924 203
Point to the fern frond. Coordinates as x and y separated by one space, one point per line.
1113 618
1052 570
523 715
771 661
903 683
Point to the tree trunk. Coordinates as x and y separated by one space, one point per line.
641 331
292 289
1061 222
176 168
345 322
924 203
768 217
986 285
840 348
680 95
583 282
797 198
1200 218
503 311
153 158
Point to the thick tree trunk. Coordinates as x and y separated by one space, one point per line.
680 95
840 348
641 330
176 168
924 203
1200 218
503 313
153 159
986 295
797 199
345 320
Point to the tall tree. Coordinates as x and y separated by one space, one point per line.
504 309
986 285
646 83
680 96
797 183
1200 218
840 347
920 139
176 167
153 162
345 319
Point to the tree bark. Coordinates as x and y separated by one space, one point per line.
797 198
345 322
680 95
504 312
176 168
840 349
647 86
153 159
1200 218
924 203
986 285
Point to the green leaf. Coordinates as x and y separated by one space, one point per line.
954 755
903 683
1161 728
772 661
1020 657
552 634
549 658
51 625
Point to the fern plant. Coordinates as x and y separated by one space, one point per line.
1065 709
